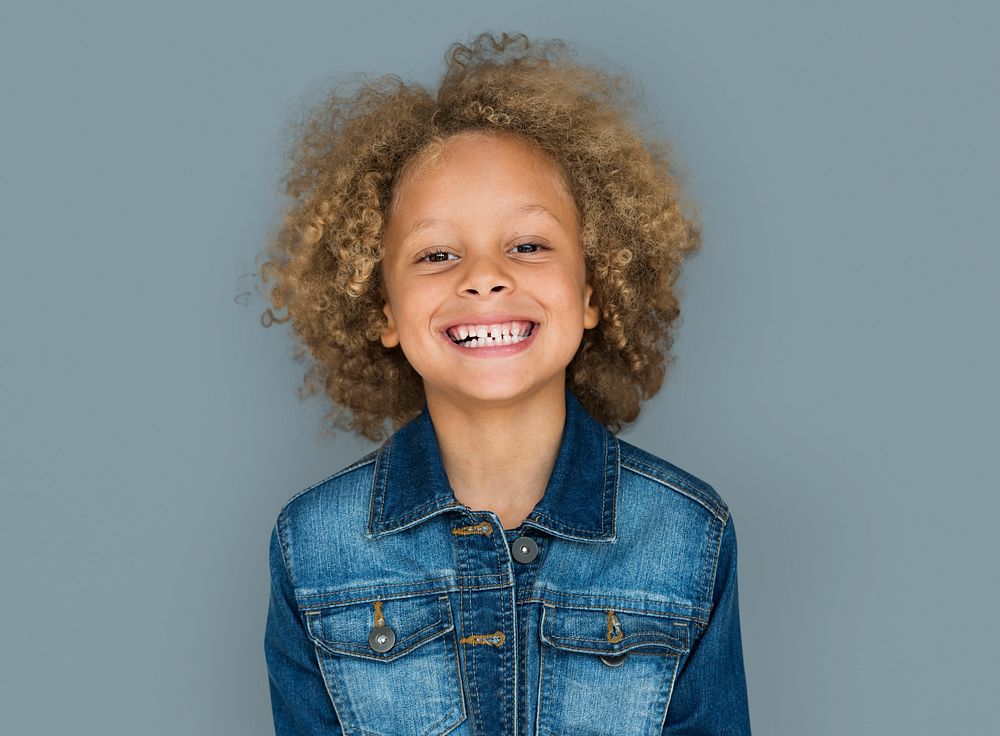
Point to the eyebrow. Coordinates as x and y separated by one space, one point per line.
526 209
539 209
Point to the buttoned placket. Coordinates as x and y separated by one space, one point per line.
493 631
526 563
489 625
486 623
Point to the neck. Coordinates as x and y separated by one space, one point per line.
499 455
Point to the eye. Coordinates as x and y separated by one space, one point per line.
539 247
427 256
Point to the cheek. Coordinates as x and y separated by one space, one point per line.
413 315
572 291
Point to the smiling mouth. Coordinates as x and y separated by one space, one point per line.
485 337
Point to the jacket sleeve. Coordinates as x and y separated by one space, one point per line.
299 701
710 692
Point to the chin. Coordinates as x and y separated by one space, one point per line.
502 391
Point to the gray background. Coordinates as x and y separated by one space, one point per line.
836 373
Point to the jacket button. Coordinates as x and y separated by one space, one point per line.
524 549
613 661
381 638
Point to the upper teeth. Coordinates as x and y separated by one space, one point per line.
460 332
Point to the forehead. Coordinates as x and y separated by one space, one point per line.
465 165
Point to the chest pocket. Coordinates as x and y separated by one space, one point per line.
390 666
607 671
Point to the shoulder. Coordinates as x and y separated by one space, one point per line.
329 495
663 477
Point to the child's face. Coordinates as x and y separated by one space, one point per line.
456 252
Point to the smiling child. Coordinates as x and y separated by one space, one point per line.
491 267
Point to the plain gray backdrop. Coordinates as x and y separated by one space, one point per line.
837 366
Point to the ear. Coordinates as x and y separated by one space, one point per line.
389 336
592 311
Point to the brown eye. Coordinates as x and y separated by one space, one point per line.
429 256
539 246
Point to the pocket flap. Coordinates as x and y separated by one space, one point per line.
344 629
611 632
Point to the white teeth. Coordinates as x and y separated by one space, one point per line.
491 334
481 342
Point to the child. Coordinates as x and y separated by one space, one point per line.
492 268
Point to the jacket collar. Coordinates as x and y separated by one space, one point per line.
410 483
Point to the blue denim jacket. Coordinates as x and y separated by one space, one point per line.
397 610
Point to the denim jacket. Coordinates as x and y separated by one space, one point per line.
613 609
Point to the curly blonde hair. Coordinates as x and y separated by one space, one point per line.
343 169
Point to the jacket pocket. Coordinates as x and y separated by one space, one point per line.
605 671
390 665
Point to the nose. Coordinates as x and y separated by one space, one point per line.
486 275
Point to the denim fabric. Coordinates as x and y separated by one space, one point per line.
626 622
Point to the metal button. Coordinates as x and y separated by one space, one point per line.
381 638
613 661
524 549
